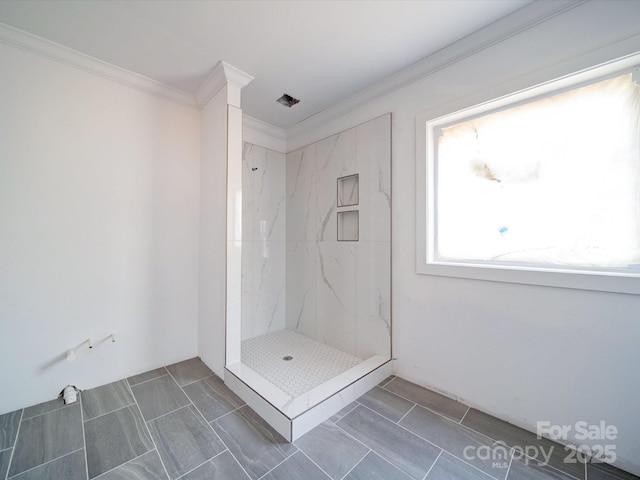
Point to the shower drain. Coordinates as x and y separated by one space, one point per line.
286 358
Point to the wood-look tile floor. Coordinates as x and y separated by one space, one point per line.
182 422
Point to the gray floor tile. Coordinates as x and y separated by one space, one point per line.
436 402
9 428
69 467
46 437
146 376
105 399
343 412
333 450
460 441
184 440
518 437
145 467
602 471
374 467
529 469
159 396
386 380
189 371
386 403
448 467
223 467
114 439
44 407
296 467
402 448
5 458
256 445
212 397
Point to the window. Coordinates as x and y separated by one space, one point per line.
541 187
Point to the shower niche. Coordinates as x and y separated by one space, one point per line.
309 276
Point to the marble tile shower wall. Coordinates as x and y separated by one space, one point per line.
263 241
338 292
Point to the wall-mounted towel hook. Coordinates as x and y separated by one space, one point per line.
90 343
113 338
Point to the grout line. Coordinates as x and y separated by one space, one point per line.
103 414
45 463
351 436
392 464
432 465
228 413
357 463
174 379
203 463
15 444
44 413
367 446
84 438
509 467
239 464
146 381
482 472
409 411
390 381
190 383
165 414
146 426
431 443
387 383
449 418
155 447
135 400
464 416
209 423
355 405
511 447
476 431
311 460
125 463
586 471
429 408
276 466
384 416
545 465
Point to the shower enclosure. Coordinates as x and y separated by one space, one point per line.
309 275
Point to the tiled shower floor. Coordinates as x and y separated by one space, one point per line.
310 363
183 422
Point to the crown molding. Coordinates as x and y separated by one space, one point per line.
221 74
53 51
537 12
263 134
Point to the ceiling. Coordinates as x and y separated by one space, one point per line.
318 51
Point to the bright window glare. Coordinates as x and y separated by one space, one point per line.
553 182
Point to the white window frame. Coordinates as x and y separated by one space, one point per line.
608 280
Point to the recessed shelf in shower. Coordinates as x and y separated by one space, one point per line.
348 226
348 190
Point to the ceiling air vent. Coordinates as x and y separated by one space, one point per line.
287 100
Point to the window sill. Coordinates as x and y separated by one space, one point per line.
628 283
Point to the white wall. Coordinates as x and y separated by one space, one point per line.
523 353
98 229
213 232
